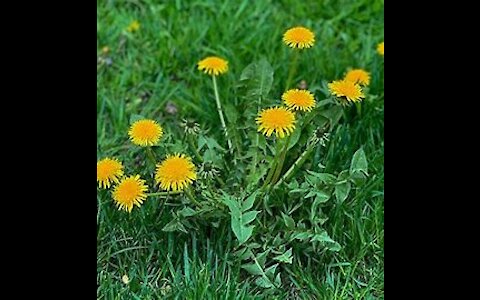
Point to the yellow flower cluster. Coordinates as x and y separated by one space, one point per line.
281 120
349 89
175 173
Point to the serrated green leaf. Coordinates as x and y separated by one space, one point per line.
248 217
327 241
359 162
286 257
321 197
239 219
322 237
278 280
242 233
358 178
343 176
262 258
270 271
253 269
174 225
289 221
264 282
258 79
323 177
302 236
233 205
249 202
342 191
334 114
188 212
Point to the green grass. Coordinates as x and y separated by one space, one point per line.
157 64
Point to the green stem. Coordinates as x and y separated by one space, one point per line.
220 112
297 165
293 68
278 171
273 166
308 118
190 196
162 194
359 108
194 149
151 156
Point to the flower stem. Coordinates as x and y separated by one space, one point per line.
278 171
293 68
194 149
220 112
163 194
151 156
273 166
190 197
359 108
297 165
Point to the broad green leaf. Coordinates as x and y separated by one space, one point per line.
264 282
262 258
278 280
327 241
249 202
342 191
358 178
322 197
311 194
359 162
343 176
230 113
295 138
248 217
174 225
286 257
289 221
258 79
322 177
322 237
188 212
253 269
240 218
302 236
270 271
334 114
233 205
242 233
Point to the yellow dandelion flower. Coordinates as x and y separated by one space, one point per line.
278 119
347 89
381 48
299 99
130 191
145 133
134 26
109 170
299 37
213 66
358 76
175 173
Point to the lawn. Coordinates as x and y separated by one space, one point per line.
318 234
